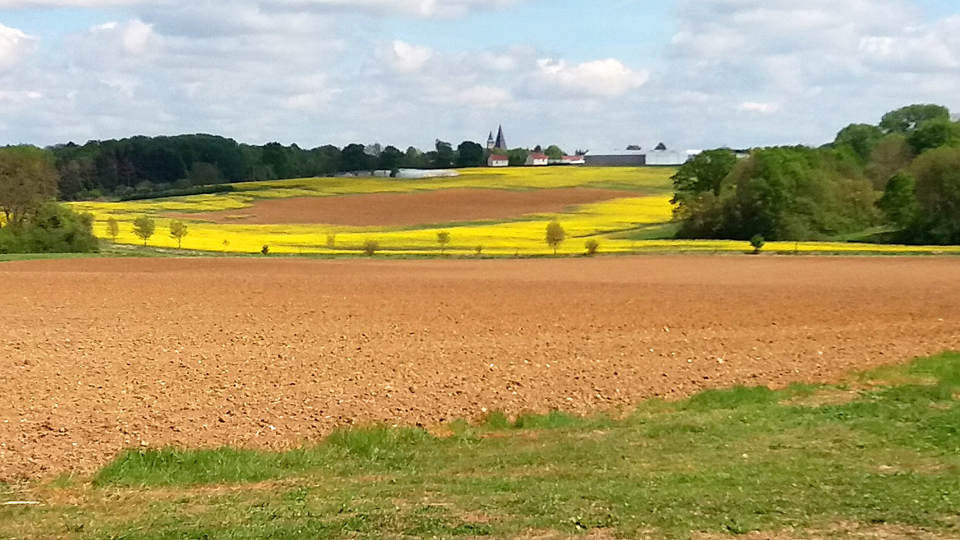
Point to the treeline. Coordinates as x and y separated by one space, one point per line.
901 176
157 166
31 221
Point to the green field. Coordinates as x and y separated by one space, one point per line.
880 453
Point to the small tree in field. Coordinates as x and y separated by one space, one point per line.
113 229
331 240
592 246
370 247
443 238
265 250
478 250
144 228
178 230
757 242
555 235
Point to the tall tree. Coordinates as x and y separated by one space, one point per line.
860 138
28 179
909 118
354 158
470 154
144 227
178 230
702 174
444 155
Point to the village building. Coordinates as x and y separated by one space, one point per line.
496 160
537 160
569 160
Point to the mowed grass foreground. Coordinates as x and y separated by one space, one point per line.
883 452
635 224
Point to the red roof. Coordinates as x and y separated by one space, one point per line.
539 156
497 157
572 158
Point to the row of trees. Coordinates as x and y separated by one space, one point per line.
902 175
150 166
31 221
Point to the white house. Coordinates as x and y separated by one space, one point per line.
537 160
498 161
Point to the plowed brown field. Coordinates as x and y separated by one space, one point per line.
103 354
406 209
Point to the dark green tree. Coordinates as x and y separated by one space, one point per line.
354 158
390 159
470 154
860 138
909 118
934 134
937 174
554 152
28 179
702 174
444 156
899 201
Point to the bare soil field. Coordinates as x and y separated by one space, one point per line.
99 354
408 209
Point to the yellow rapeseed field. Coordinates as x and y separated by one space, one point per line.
524 236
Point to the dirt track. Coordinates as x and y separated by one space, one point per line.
101 354
407 209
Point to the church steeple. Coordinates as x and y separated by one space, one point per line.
501 143
491 143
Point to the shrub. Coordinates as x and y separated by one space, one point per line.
370 247
592 246
54 228
265 249
478 250
757 242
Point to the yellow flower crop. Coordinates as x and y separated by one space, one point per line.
604 221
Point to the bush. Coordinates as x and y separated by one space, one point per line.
54 228
592 246
757 242
265 250
370 247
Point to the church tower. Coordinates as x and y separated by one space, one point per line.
501 143
491 143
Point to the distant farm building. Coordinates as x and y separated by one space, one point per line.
537 160
569 160
498 161
623 158
668 158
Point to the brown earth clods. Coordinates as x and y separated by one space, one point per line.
409 209
99 354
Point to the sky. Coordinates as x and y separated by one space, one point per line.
592 75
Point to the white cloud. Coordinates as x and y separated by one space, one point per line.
403 57
601 78
761 108
809 67
15 45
